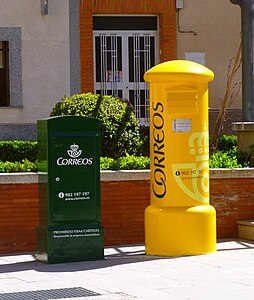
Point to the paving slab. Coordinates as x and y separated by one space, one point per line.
127 273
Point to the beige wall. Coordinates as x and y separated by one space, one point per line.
45 49
45 56
218 25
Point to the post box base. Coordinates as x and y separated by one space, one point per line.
69 243
178 231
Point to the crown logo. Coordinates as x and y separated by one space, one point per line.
73 151
193 177
199 145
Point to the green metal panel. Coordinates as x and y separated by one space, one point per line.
70 243
69 189
74 179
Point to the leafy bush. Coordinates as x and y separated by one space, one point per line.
228 156
125 163
132 163
21 156
250 153
227 143
18 156
107 163
119 128
222 159
18 151
144 131
246 159
24 166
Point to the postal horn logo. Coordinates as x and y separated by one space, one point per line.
74 151
74 158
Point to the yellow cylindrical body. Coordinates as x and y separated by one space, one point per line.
179 220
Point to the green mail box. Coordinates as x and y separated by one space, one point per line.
69 226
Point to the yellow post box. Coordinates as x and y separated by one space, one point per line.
179 220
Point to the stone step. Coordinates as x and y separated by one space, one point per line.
246 229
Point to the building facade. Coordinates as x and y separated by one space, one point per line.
120 40
53 48
39 61
210 33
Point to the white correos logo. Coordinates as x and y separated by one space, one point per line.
75 160
74 152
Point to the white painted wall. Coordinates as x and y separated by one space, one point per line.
45 49
218 26
45 56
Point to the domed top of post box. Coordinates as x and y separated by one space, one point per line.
176 70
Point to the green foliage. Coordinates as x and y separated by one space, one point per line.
119 128
132 163
13 151
227 143
222 159
21 156
246 159
228 156
107 163
125 163
144 131
249 156
18 156
23 166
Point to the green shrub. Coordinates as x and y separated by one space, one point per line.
228 156
249 156
18 150
125 163
107 163
119 128
227 143
132 163
144 131
228 159
246 159
222 159
24 166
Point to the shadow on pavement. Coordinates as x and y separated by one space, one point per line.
114 256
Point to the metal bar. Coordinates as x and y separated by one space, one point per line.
103 63
247 15
114 64
147 67
247 60
137 74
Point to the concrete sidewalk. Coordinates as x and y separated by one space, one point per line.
127 273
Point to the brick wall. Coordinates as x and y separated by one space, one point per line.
233 199
167 28
19 215
122 209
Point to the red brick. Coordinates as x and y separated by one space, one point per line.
122 211
167 28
